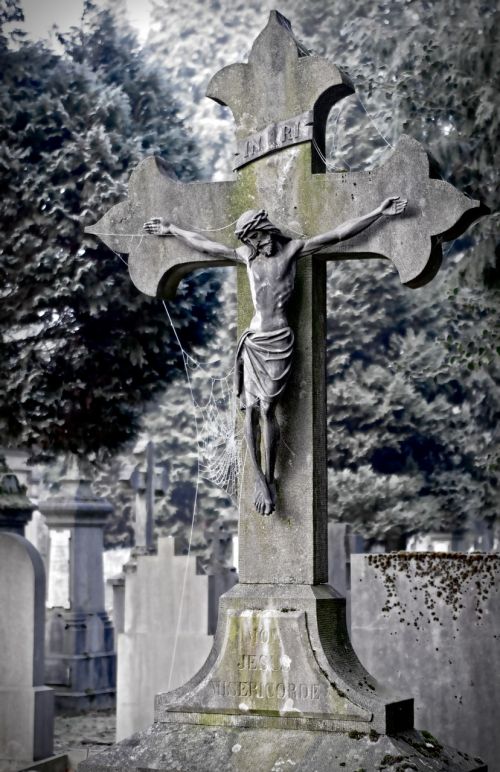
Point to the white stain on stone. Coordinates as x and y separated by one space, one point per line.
285 662
243 706
236 748
280 764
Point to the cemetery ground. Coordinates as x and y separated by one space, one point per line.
79 736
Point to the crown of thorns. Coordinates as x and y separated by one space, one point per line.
254 220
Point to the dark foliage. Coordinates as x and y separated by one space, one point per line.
82 350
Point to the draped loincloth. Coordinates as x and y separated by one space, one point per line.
263 362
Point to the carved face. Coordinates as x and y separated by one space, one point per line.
263 242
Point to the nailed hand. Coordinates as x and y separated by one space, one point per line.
157 226
393 205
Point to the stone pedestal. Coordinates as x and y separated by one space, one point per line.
282 688
282 659
80 657
225 749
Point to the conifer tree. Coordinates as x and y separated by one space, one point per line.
82 349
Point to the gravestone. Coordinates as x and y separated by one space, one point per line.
162 644
80 657
431 622
26 704
282 685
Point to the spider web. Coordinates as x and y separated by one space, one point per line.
219 436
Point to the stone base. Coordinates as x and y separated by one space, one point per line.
80 661
26 723
222 749
282 659
282 688
70 702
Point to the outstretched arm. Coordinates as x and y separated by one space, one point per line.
391 206
157 226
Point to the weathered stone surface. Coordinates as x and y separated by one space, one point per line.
437 634
26 705
181 748
282 658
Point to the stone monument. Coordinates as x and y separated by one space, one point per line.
80 657
282 685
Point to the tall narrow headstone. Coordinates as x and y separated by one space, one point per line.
164 640
80 657
282 685
26 704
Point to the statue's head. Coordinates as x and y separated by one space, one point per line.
255 229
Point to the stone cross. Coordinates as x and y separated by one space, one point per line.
148 480
281 655
280 101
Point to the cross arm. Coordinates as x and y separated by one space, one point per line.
157 265
391 206
200 243
435 212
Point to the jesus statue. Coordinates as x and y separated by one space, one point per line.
264 352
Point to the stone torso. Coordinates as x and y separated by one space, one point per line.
272 281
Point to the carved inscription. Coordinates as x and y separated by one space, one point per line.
265 691
263 662
262 670
273 137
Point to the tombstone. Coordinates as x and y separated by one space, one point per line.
80 657
26 704
420 622
15 507
282 685
162 645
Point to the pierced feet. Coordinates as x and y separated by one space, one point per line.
265 497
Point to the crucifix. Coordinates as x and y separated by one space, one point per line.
281 655
265 349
